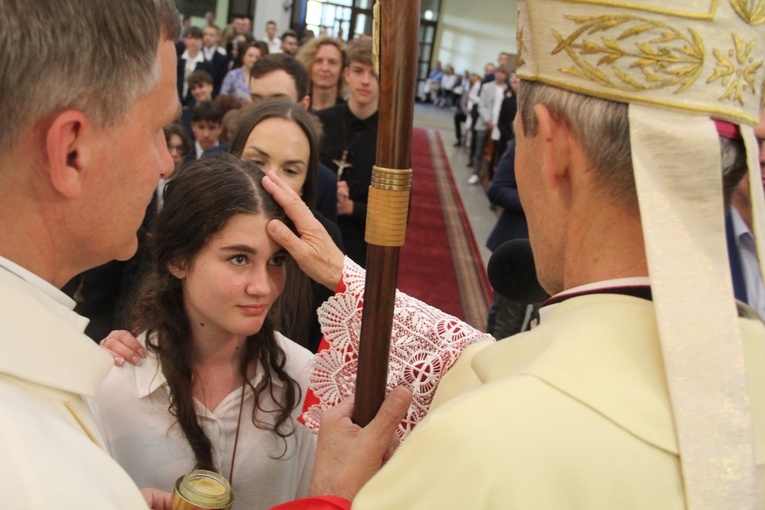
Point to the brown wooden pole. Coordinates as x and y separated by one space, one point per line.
398 35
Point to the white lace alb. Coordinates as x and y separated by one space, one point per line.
425 344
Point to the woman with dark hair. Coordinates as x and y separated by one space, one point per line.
236 82
179 142
282 136
233 46
219 389
286 126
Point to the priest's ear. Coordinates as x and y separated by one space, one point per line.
69 148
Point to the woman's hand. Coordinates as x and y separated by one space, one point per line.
122 345
314 251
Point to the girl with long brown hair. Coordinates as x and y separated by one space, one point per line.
219 388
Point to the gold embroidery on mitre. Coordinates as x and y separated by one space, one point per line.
640 53
519 43
686 9
753 12
739 72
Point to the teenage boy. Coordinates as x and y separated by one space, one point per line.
207 125
290 42
201 86
274 42
192 59
200 89
350 145
215 55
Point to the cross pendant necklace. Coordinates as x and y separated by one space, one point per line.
342 164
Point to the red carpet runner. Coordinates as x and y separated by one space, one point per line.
440 262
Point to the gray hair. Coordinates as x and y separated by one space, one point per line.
602 127
95 56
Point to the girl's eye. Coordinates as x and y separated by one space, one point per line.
238 260
290 171
279 260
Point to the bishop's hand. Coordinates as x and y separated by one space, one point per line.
314 251
347 456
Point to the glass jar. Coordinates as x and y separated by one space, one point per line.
202 490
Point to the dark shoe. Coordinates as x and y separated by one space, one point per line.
469 164
457 143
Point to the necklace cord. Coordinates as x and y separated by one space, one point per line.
236 436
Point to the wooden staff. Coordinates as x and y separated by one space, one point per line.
397 25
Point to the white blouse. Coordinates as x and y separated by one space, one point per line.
131 409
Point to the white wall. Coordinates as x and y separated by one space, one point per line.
473 32
266 10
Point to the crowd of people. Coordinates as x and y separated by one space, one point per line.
484 106
200 254
217 96
484 110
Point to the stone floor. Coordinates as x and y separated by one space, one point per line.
482 218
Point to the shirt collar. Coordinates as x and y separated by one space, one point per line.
637 281
148 376
209 52
740 229
198 148
199 58
42 339
58 302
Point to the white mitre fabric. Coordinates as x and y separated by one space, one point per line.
677 63
703 56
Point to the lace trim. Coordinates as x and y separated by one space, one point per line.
425 344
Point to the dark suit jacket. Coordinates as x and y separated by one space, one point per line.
219 65
734 259
503 192
222 147
326 193
505 122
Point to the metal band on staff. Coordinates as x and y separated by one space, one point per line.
388 206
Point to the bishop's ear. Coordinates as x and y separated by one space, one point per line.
68 151
554 137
